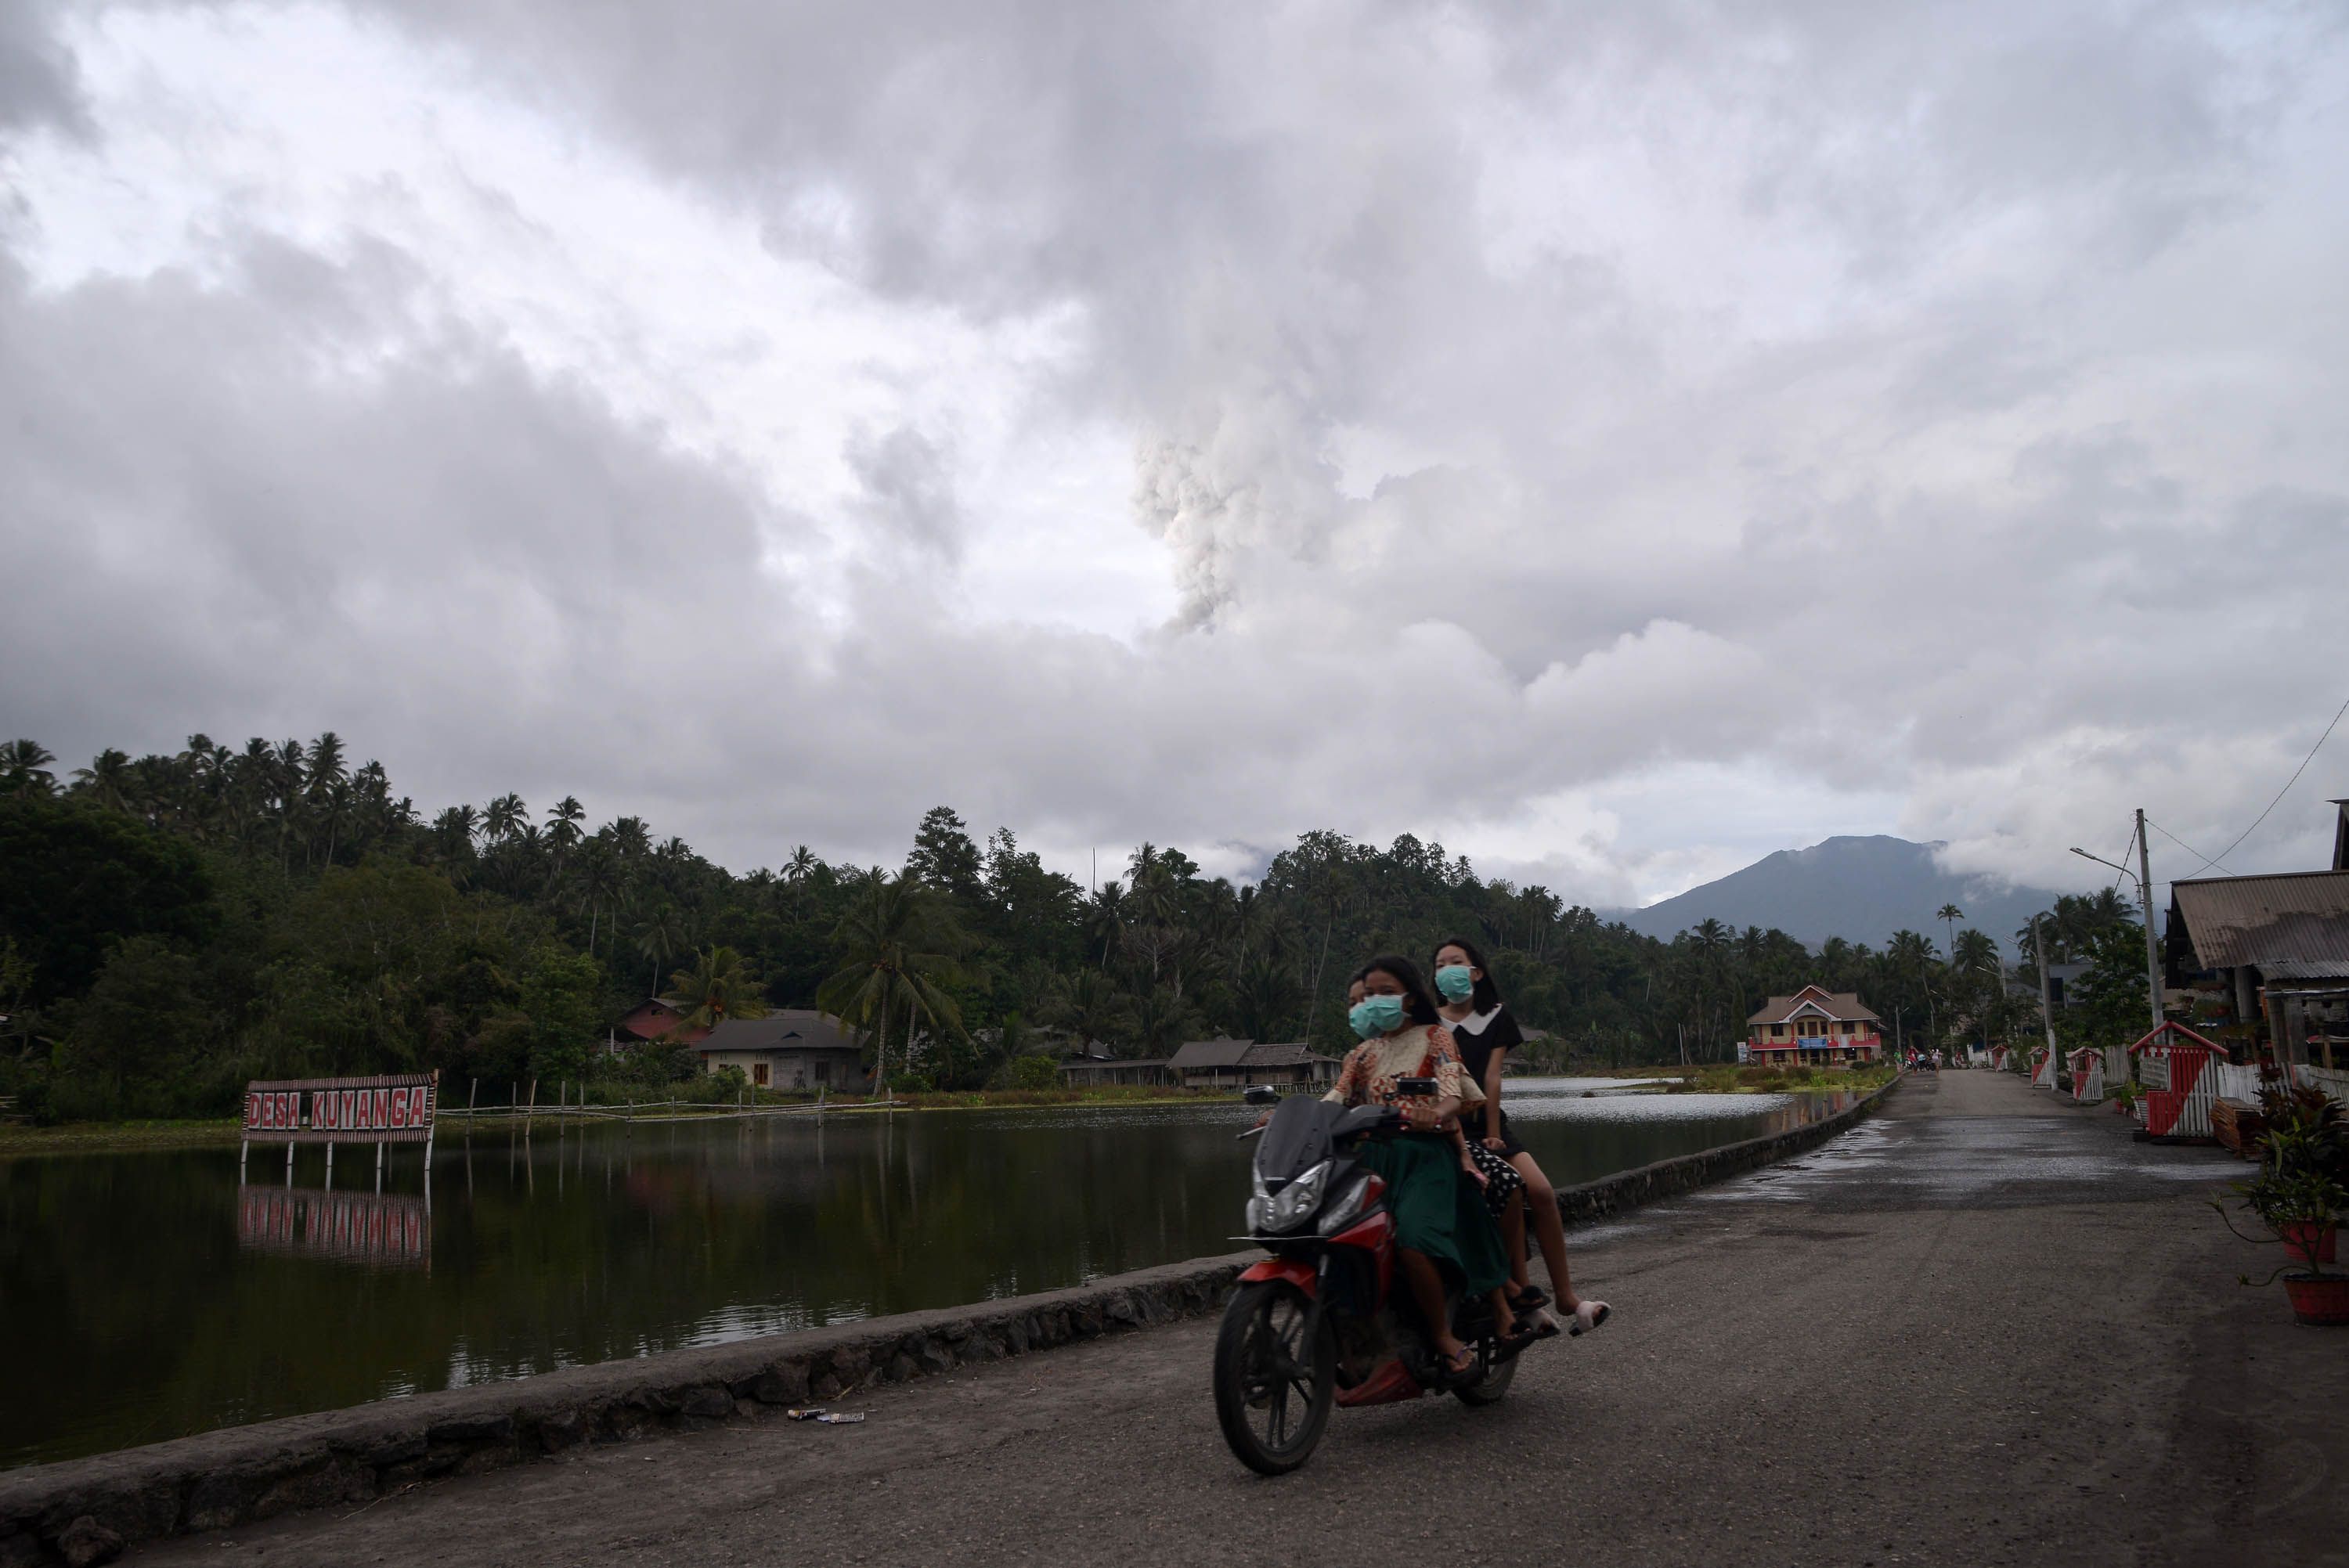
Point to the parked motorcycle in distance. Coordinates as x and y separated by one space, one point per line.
1325 1321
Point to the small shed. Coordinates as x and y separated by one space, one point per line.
2042 1068
2174 1064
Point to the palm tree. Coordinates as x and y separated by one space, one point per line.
1105 918
107 778
802 865
897 944
659 935
718 986
1948 914
562 822
24 768
1089 1006
1161 1022
599 884
503 817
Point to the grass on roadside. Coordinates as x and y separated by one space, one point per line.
1730 1078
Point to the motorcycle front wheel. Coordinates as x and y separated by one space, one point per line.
1273 1390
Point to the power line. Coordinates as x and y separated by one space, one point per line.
2290 781
2182 844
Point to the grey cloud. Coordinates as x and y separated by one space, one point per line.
909 488
1793 428
39 79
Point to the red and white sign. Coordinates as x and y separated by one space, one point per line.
382 1228
394 1108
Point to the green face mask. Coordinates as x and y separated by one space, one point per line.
1456 981
1375 1016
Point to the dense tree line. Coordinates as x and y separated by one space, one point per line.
173 925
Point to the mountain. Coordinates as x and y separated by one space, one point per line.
1862 890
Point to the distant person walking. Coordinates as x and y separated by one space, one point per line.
1485 1032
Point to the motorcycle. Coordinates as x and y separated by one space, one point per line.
1325 1322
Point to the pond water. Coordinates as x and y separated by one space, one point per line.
147 1295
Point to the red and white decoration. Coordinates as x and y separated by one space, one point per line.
2174 1064
2087 1076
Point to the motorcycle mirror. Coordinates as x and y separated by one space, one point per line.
1421 1086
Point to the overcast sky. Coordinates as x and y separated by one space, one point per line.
1615 442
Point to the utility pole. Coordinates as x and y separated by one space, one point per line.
2145 897
2046 1006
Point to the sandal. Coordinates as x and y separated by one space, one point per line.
1546 1324
1590 1316
1460 1364
1507 1346
1528 1299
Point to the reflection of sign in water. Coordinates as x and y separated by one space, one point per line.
393 1229
394 1108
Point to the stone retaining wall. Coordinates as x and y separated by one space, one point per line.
1612 1195
83 1511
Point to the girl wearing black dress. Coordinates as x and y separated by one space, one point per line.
1485 1032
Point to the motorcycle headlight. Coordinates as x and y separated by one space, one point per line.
1292 1206
1346 1209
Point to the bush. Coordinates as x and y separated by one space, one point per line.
911 1083
1033 1073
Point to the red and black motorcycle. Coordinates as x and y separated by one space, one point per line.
1325 1321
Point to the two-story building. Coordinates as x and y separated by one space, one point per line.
1813 1027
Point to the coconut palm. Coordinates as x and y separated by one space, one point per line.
107 778
503 817
597 878
1089 1006
562 822
660 935
897 944
24 768
718 986
1948 914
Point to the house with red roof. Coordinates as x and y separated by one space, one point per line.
1814 1027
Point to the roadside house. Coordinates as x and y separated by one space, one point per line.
1814 1027
1089 1071
792 1048
657 1018
2276 946
1234 1064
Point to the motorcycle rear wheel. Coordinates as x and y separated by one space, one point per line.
1494 1382
1273 1391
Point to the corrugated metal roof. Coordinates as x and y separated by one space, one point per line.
1198 1054
2294 972
2297 917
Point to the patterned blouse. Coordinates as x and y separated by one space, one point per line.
1372 1068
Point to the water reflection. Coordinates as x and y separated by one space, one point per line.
167 1299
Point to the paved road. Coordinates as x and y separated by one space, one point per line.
1980 1329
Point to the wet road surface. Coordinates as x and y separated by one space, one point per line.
1980 1329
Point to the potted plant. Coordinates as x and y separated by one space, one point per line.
2299 1196
2125 1096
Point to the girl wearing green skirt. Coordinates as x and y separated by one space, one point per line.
1441 1225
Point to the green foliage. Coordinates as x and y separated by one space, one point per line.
75 880
2110 1007
1029 1073
561 999
312 922
140 1032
